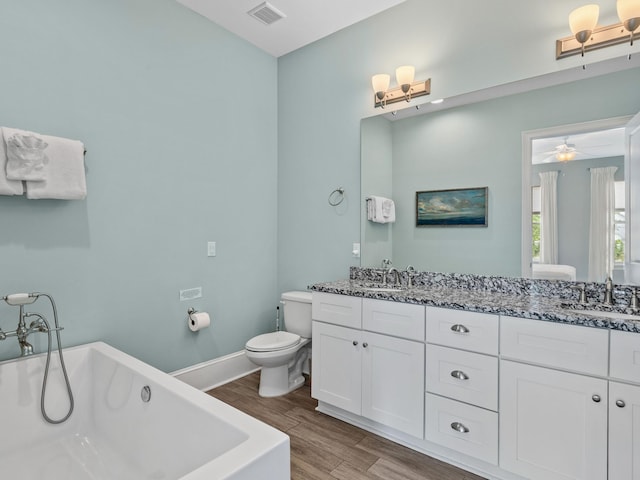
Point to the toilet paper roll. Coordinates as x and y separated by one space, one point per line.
198 321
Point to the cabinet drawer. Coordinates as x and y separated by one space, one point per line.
467 429
465 376
571 347
393 318
625 356
473 331
337 309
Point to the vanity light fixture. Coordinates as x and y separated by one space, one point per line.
406 90
586 36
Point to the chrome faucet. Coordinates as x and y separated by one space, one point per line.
411 271
608 292
396 276
22 331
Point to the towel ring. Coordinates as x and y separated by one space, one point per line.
336 197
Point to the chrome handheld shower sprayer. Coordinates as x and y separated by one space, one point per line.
40 325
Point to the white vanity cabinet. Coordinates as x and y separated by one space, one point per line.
461 399
379 376
508 398
624 407
553 423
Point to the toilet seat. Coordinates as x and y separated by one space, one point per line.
271 342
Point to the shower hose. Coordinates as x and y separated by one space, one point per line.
48 362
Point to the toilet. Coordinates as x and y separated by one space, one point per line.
283 354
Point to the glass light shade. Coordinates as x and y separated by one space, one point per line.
584 18
405 74
628 9
565 156
380 82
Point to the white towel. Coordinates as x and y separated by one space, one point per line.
381 209
7 187
26 155
65 178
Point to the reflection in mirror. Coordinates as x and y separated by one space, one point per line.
564 211
474 145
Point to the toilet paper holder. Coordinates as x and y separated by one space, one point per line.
195 324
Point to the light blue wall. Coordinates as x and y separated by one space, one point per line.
324 91
177 155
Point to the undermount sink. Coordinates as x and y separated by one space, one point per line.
382 289
599 313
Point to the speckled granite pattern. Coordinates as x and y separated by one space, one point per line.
536 299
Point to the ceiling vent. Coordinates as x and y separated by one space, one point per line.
266 13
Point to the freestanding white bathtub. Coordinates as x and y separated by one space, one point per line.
180 433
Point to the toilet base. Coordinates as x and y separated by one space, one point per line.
277 381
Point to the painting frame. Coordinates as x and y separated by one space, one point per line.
454 207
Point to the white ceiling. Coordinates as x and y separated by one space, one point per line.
306 20
598 144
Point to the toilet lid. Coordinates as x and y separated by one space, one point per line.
270 342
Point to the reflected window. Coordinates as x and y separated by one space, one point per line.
535 223
619 223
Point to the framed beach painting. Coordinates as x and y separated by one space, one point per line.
460 207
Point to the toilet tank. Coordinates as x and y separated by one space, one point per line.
297 312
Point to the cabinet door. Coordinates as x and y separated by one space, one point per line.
336 364
553 425
393 382
624 432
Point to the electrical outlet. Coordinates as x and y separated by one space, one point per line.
211 249
355 251
190 293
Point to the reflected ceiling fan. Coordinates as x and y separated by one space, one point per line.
562 153
565 152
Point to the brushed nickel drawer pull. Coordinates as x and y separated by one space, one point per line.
620 403
460 375
355 343
459 328
458 427
365 344
596 398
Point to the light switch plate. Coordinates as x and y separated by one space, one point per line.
211 249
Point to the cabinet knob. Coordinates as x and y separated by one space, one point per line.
355 343
596 398
365 344
459 328
458 427
460 375
620 403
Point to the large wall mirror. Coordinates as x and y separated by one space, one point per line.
474 145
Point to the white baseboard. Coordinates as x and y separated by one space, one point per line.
213 373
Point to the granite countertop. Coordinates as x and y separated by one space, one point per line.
537 307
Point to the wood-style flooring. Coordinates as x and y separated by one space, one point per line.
324 448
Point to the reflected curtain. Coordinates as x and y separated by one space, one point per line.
601 225
548 217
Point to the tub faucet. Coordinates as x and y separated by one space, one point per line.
396 276
22 331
